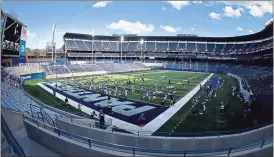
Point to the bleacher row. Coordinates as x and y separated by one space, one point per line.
23 70
128 54
78 68
15 99
168 46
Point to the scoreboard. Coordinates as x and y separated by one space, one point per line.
12 30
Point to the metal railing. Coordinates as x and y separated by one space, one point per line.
165 134
10 139
148 151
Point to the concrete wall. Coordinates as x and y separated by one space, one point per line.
266 151
153 64
23 70
173 143
65 146
75 74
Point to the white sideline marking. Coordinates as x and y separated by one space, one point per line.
157 122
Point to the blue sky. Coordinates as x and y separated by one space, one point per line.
226 18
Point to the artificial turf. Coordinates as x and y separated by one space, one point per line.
184 120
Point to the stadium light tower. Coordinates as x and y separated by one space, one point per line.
122 39
142 42
53 32
92 34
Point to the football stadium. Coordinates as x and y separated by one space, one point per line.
134 94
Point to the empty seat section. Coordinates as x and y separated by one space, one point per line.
173 46
182 46
132 46
201 47
98 46
114 46
80 45
150 46
218 48
227 48
106 45
210 47
161 46
191 47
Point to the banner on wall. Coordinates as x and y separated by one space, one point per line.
38 63
24 33
22 48
33 76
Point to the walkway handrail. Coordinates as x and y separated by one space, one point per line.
10 139
148 151
176 134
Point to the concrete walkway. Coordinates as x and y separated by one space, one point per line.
30 147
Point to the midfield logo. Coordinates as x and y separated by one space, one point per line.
126 108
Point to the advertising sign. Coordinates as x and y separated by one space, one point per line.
22 50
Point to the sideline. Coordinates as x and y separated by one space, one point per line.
160 120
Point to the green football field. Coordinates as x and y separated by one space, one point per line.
184 120
174 80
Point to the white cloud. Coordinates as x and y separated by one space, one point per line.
240 29
131 27
178 4
100 4
255 11
31 39
230 12
39 39
170 29
30 34
215 16
267 7
250 31
255 8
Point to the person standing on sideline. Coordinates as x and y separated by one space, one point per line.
92 115
102 118
66 102
109 101
109 109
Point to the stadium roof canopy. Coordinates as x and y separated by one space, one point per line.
265 33
12 17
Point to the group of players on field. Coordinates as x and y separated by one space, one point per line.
123 87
